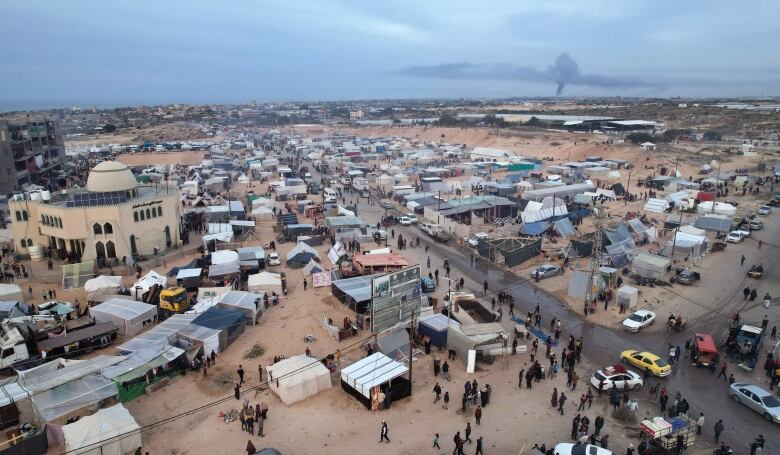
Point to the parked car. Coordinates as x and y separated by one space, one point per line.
735 237
756 225
757 399
273 259
686 276
566 448
647 361
473 241
616 376
744 229
545 271
379 234
412 217
764 210
638 320
405 221
386 205
427 284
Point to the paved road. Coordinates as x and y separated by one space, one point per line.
603 345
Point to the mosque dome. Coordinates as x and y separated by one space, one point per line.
111 176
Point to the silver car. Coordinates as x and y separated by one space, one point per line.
757 399
545 271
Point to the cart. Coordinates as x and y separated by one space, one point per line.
704 352
663 433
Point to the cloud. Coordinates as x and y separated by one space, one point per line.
565 71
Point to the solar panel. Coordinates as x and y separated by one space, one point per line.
97 199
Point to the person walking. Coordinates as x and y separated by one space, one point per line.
437 392
236 390
250 448
479 447
598 423
436 435
718 429
446 399
722 372
574 378
561 402
305 284
699 423
383 432
583 400
605 441
240 372
575 425
260 423
478 414
554 398
485 286
745 293
468 433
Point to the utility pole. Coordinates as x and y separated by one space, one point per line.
411 346
717 183
595 262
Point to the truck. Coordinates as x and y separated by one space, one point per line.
436 231
173 300
744 344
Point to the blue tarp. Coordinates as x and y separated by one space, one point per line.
231 323
537 332
533 228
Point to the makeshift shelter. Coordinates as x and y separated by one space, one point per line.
296 378
265 282
131 374
685 245
354 292
435 328
231 324
721 208
13 309
482 337
368 376
395 345
152 278
189 278
10 292
656 205
312 267
301 254
130 316
337 253
102 285
714 223
650 265
248 303
627 296
263 214
514 250
110 431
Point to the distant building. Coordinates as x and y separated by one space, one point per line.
493 154
112 218
31 148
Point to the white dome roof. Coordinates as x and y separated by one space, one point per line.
111 176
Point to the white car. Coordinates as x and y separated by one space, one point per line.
405 221
566 448
412 217
764 210
616 376
638 320
273 259
735 237
474 240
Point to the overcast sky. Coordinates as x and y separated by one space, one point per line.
57 53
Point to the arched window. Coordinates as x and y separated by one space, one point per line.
24 242
97 229
108 229
18 216
59 222
100 250
135 216
110 250
24 215
142 215
159 210
148 214
29 242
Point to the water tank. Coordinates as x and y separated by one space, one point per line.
46 195
35 196
36 252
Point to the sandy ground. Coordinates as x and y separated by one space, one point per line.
188 158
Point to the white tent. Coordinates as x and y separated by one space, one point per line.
262 202
265 282
224 257
297 378
102 285
371 371
149 280
656 205
721 208
130 316
262 213
312 267
10 292
99 433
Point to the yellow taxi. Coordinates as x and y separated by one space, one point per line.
647 361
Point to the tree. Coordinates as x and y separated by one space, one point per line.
639 138
712 136
109 128
533 121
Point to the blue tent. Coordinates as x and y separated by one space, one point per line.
230 323
534 228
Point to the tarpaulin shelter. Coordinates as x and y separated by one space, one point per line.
321 279
11 292
376 370
178 330
298 377
656 205
301 254
714 223
262 213
13 309
60 371
110 431
721 208
130 375
102 285
650 265
231 324
480 337
580 282
354 292
75 275
685 245
434 327
312 267
130 316
514 250
267 282
395 345
150 279
248 303
337 253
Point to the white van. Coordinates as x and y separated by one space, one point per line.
330 195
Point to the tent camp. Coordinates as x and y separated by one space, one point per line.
249 303
267 282
11 292
721 208
102 285
650 265
312 267
297 378
130 316
99 433
231 324
690 246
262 214
301 254
376 370
150 279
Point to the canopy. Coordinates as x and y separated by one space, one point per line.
60 371
73 396
102 285
149 280
99 433
297 378
130 316
371 371
705 343
265 282
301 254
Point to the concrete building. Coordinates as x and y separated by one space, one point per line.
112 218
31 147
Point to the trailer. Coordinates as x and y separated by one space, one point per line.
664 432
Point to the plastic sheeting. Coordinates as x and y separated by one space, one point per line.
650 265
11 292
301 254
61 371
267 282
102 285
248 303
130 316
149 280
99 433
74 395
312 267
565 228
656 205
371 371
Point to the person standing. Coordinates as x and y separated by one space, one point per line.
446 399
260 374
305 284
598 423
468 432
561 402
485 286
437 392
722 372
605 441
436 435
240 372
718 430
250 448
236 390
742 261
383 432
699 423
260 421
574 378
479 447
478 414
